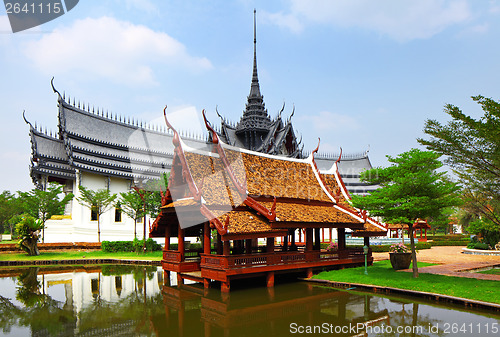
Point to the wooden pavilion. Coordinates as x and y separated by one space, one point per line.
420 225
239 198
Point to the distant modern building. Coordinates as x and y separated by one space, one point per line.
98 149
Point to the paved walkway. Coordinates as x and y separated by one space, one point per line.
452 262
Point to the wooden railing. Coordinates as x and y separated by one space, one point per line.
277 258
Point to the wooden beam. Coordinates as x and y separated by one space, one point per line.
256 235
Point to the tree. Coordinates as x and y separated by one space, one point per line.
9 206
411 188
43 204
28 230
472 149
99 201
133 205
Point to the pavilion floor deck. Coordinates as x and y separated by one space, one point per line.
227 267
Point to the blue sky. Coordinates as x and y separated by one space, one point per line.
361 73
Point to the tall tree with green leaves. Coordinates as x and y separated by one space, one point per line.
133 205
472 148
43 204
99 201
411 188
9 206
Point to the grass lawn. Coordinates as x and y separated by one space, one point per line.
70 255
382 274
494 271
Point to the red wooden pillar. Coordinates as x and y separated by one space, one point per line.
180 245
322 235
300 234
331 235
317 239
341 243
207 244
426 234
292 245
225 286
270 245
167 238
285 243
309 239
270 279
219 245
226 250
248 246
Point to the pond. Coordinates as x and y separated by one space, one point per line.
124 300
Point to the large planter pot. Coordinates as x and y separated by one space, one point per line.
400 260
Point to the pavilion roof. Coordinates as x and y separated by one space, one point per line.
241 191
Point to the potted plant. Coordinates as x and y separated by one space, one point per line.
400 256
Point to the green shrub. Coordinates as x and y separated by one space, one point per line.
130 246
478 245
450 237
117 246
450 243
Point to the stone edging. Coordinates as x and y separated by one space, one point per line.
481 252
78 261
431 296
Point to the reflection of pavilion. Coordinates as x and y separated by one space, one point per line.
273 309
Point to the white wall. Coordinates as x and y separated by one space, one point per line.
80 228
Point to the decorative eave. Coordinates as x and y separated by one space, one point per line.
270 214
186 172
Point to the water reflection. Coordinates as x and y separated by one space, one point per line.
138 301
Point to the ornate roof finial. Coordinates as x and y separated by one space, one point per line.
24 117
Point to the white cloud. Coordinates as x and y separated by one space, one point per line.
112 49
287 21
400 20
142 5
332 121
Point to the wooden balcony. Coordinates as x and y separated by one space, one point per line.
221 268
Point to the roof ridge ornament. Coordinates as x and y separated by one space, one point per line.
54 88
249 201
26 121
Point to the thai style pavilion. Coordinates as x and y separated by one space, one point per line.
240 197
97 149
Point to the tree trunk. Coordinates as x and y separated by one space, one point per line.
98 228
29 245
413 251
135 228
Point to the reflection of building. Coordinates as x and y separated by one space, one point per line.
102 150
276 311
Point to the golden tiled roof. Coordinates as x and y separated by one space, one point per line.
300 212
282 178
245 222
181 202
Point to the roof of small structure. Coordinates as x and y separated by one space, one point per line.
419 224
241 191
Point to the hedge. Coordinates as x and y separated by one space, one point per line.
450 243
451 237
130 246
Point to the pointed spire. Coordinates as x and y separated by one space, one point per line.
255 88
